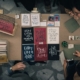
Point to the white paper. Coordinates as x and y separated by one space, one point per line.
62 57
35 19
16 16
70 46
53 35
25 19
57 23
71 37
42 23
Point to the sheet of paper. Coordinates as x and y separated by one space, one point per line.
57 20
25 19
70 46
62 57
53 35
42 23
35 19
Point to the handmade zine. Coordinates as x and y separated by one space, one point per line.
28 52
41 52
53 35
40 36
27 36
53 51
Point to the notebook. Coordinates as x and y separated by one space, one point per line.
71 25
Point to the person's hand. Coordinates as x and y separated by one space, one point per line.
65 64
76 17
71 13
18 66
77 53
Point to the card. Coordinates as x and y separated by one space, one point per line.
52 35
71 25
28 52
62 57
77 37
35 19
51 18
50 24
40 35
70 46
41 52
43 24
25 19
57 20
16 16
77 47
53 51
68 53
71 37
56 17
27 35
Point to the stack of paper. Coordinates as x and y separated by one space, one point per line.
3 51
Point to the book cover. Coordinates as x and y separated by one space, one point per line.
41 52
53 51
53 35
3 57
28 52
39 35
27 36
6 26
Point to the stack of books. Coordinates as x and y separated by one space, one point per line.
7 24
3 51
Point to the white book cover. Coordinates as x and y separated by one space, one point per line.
25 19
35 19
62 57
3 42
53 35
3 47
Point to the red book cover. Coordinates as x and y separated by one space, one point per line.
41 52
40 36
6 26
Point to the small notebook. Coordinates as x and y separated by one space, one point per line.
68 53
72 25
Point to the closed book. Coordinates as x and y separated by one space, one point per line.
3 57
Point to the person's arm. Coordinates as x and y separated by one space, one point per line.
77 53
65 69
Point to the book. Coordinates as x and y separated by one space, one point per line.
27 35
71 25
6 26
53 35
40 36
41 52
28 52
3 57
53 51
3 51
